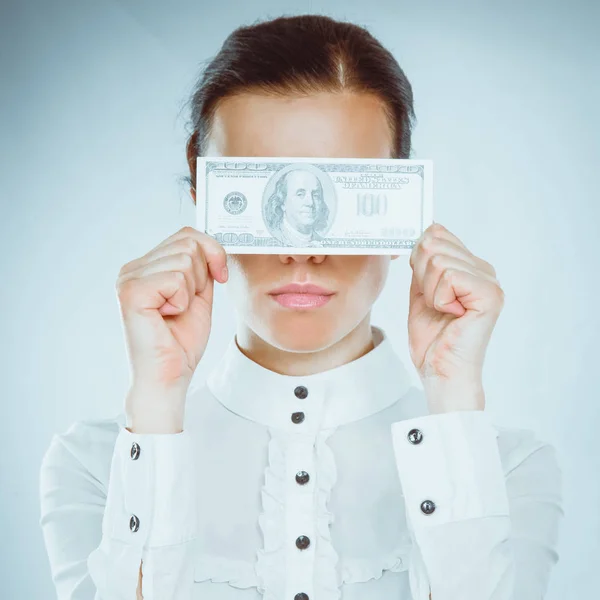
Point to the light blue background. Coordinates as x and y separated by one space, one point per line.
92 146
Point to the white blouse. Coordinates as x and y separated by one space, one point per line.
332 485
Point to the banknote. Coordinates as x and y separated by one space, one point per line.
271 205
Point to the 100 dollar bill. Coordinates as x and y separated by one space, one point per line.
270 205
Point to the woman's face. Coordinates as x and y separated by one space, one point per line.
321 125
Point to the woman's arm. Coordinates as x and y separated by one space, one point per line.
494 529
126 535
138 591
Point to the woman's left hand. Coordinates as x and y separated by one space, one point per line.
455 301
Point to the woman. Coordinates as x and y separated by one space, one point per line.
306 467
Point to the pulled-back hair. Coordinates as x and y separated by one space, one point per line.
301 55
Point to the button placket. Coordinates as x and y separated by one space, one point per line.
415 437
300 537
301 517
301 393
135 457
134 521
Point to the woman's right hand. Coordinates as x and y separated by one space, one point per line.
166 300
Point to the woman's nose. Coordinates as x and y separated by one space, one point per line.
302 258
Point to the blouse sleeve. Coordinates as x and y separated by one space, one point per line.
480 533
97 534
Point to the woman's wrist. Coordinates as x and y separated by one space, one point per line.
155 410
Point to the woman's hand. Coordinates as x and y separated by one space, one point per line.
166 300
455 301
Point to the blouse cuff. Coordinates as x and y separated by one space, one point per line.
152 494
449 467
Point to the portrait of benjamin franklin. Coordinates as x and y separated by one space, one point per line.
296 212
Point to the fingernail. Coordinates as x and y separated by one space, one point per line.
224 273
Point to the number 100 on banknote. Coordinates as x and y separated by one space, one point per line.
271 205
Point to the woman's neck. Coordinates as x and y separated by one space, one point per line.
354 345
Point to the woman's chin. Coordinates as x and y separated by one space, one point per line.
301 337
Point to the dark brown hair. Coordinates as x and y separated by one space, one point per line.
301 55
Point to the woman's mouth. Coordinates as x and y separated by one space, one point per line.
301 295
295 300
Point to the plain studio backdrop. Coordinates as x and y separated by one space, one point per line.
92 145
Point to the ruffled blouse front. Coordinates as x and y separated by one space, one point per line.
295 551
284 511
351 509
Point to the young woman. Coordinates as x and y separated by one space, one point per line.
306 467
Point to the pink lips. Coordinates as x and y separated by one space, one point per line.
298 295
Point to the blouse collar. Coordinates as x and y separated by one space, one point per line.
306 404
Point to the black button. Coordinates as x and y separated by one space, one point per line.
415 436
427 506
302 542
135 451
298 417
302 477
301 596
301 392
134 523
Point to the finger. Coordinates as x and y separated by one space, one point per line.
441 232
190 246
435 269
429 237
214 254
193 269
438 230
164 290
431 247
216 257
459 290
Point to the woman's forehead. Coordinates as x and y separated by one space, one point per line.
335 125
